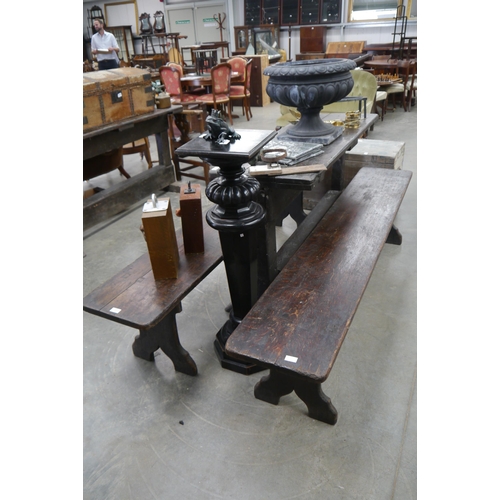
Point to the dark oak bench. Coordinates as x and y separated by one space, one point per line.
297 326
134 298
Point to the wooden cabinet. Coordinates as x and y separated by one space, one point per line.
262 12
307 12
258 81
312 39
331 11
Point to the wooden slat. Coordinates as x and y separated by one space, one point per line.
113 200
308 308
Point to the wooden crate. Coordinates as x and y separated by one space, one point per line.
372 153
113 95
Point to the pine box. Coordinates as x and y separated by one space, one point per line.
372 153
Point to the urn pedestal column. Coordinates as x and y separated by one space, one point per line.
237 217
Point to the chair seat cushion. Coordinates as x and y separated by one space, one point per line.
381 95
237 90
395 87
185 98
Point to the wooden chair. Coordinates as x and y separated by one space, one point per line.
141 146
242 92
180 126
238 65
170 76
221 83
411 88
406 69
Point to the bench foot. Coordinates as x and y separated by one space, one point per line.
165 336
395 237
272 387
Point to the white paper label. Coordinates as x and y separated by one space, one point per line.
292 359
115 310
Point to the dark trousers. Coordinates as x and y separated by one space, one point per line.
108 64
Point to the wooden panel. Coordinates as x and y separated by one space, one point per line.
115 199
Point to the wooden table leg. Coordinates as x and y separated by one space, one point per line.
165 336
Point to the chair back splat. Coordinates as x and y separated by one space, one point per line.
170 76
221 83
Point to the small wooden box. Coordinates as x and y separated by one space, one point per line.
114 95
159 231
372 153
192 219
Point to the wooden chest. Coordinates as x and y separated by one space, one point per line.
372 153
116 94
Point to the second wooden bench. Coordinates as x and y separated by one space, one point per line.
297 326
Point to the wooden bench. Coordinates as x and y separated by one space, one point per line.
297 326
134 298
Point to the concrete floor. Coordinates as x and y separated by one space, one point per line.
152 433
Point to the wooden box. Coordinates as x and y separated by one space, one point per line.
114 95
192 218
372 153
159 230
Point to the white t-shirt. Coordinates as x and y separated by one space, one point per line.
104 42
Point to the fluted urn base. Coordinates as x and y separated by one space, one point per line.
311 128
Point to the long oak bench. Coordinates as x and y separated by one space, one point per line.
297 326
134 298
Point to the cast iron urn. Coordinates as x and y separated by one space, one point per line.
308 86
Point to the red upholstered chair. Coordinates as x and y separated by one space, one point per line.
238 65
170 76
221 83
242 92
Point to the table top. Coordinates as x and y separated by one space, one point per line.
205 78
331 153
240 151
133 120
117 134
381 63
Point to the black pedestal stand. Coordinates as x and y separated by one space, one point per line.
237 217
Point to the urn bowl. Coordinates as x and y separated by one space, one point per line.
308 86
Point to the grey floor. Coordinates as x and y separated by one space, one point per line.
152 433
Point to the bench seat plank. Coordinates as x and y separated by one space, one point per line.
144 302
305 313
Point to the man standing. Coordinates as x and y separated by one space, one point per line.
104 45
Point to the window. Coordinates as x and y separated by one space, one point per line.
373 10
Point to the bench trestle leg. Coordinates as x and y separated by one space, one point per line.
275 385
395 237
165 336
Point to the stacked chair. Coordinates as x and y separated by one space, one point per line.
242 92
